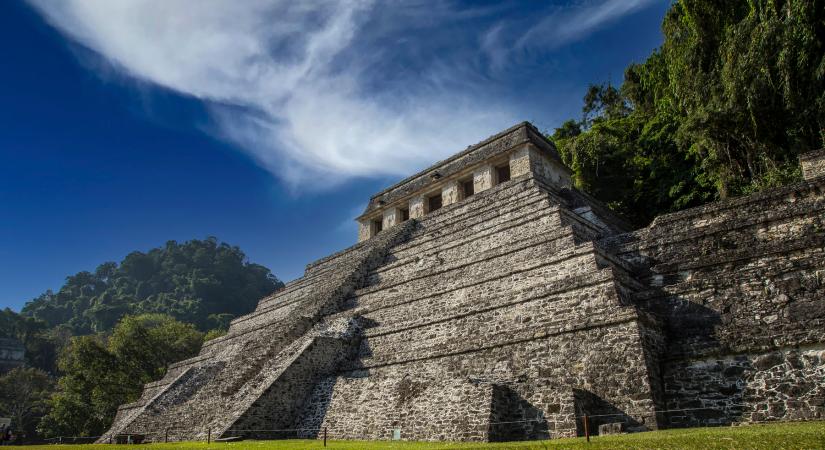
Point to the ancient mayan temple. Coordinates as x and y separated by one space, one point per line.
488 299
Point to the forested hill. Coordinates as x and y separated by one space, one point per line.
202 282
723 108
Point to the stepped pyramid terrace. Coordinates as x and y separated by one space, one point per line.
487 299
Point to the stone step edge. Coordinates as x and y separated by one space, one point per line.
572 253
525 194
386 245
802 339
638 240
492 231
699 284
554 287
614 319
263 304
804 187
520 200
431 241
497 188
741 254
355 259
486 256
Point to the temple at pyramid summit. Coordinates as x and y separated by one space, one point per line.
488 299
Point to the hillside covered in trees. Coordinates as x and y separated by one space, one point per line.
92 345
202 282
723 108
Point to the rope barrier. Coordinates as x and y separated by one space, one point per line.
626 416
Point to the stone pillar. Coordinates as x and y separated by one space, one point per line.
449 193
483 178
417 207
813 164
520 161
391 217
364 230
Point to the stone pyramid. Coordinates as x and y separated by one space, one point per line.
488 299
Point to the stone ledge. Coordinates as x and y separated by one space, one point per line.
471 239
498 252
645 238
554 287
428 233
815 186
497 144
511 339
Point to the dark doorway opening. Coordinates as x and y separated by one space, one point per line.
434 202
468 188
502 173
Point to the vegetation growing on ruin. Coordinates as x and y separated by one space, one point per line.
755 437
724 107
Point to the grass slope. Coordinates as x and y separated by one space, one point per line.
808 435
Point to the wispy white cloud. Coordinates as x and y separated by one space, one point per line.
318 92
573 24
560 26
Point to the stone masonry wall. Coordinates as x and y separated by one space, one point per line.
740 287
512 313
813 164
496 292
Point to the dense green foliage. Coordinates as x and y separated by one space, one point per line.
202 282
42 343
735 93
24 393
101 373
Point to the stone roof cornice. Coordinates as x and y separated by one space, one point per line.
493 146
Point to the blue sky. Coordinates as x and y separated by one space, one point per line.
265 123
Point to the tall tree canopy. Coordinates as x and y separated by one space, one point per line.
24 393
42 344
735 93
102 372
202 282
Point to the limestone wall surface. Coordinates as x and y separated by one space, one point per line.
739 286
495 311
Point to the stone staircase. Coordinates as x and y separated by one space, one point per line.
263 351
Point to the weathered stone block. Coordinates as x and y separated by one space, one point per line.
450 193
813 164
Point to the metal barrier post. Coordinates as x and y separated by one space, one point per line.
325 436
166 436
587 427
208 435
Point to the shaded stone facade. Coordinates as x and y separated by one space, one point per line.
487 299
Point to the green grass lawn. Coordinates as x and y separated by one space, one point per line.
808 435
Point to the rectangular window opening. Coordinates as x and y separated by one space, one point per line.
434 202
468 188
502 174
405 214
377 226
